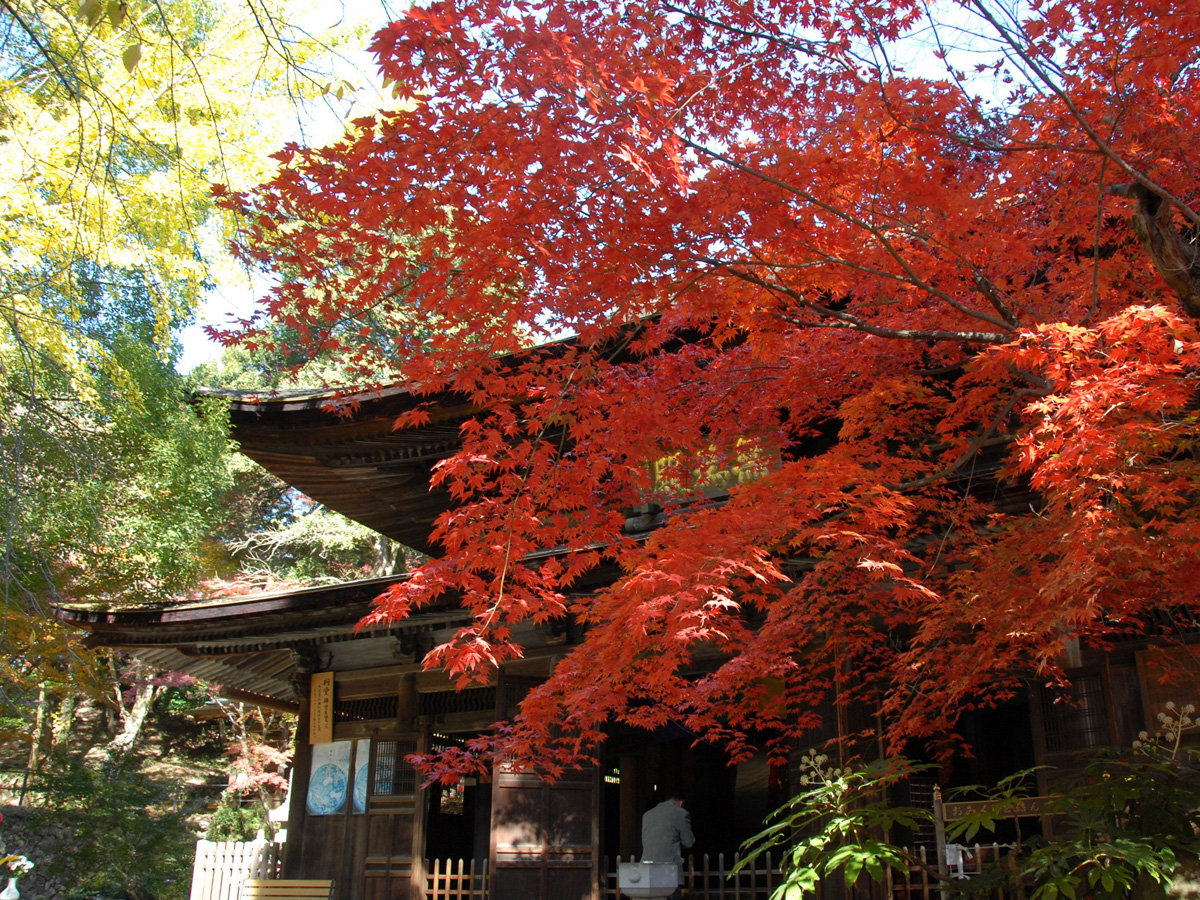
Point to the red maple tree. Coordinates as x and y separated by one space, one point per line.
920 281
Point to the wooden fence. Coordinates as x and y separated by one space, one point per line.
707 878
222 866
446 879
703 879
962 862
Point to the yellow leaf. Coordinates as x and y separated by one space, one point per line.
116 13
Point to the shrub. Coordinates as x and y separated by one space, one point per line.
129 835
233 822
1126 826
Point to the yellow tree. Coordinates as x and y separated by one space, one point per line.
115 118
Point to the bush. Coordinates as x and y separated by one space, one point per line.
129 835
234 822
1126 827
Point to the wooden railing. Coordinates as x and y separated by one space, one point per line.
707 878
222 867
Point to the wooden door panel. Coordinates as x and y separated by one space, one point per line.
544 836
570 818
390 831
515 882
391 867
323 841
570 884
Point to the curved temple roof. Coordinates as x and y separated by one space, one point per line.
251 646
345 452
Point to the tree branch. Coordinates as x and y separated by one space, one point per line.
1177 260
842 319
71 90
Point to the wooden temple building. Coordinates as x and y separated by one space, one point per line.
358 814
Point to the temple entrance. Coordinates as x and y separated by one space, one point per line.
727 803
457 821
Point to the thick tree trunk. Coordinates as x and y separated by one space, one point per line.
132 720
389 558
1176 258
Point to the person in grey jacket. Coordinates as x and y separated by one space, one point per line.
666 832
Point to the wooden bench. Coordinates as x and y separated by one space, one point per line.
287 889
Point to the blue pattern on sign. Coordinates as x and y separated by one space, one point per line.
327 790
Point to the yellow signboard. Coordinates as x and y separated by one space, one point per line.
320 707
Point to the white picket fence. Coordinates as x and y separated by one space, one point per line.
222 866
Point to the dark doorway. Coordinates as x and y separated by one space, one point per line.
727 803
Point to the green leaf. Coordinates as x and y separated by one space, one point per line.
874 868
132 56
116 13
91 11
853 868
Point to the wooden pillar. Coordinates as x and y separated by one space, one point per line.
293 850
629 806
406 705
421 812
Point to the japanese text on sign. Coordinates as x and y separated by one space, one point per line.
320 700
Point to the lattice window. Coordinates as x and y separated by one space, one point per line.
1078 721
366 709
920 794
515 690
442 703
393 777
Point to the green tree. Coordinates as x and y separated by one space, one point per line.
108 500
107 212
128 838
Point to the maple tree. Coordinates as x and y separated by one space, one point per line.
915 285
